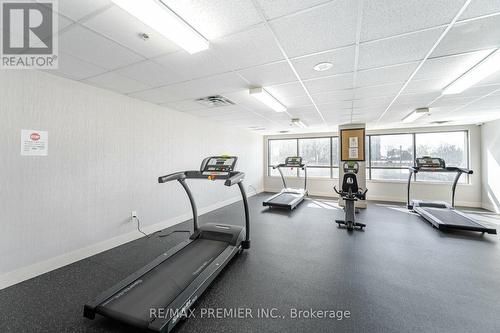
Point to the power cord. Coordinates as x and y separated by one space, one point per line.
253 188
139 227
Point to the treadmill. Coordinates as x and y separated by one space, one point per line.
440 214
158 295
289 198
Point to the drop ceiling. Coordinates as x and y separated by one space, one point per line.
383 67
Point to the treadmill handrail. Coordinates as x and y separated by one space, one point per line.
303 166
459 171
231 178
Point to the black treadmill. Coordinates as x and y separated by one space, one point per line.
288 198
157 296
440 214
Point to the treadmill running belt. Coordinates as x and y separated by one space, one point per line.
450 217
284 198
160 286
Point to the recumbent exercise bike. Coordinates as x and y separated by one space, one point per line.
350 193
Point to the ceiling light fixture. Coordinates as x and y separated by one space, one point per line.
159 17
262 95
416 114
299 123
323 66
485 68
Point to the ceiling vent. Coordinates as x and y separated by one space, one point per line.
214 101
439 122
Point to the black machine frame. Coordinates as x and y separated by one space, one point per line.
190 294
298 194
429 209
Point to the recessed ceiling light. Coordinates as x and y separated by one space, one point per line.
416 114
161 18
485 68
323 66
262 95
299 123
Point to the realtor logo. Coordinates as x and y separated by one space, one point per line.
29 34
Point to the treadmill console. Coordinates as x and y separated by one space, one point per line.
293 161
218 165
430 162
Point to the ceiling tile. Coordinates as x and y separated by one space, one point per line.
414 101
448 69
74 68
253 47
115 82
186 105
383 18
93 48
78 9
451 101
288 92
377 102
477 91
150 73
378 91
494 78
216 18
342 60
385 75
480 8
218 84
120 26
335 82
397 50
155 95
330 26
471 36
423 86
333 96
276 8
269 74
192 66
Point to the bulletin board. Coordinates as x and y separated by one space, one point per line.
352 144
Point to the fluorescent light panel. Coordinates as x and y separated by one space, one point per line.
485 68
415 115
299 123
262 95
159 17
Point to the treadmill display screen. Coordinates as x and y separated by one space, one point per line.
219 165
430 162
293 161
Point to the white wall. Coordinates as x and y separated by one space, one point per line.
106 152
467 194
490 152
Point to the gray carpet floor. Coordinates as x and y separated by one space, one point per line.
398 275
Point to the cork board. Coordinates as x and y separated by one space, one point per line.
352 144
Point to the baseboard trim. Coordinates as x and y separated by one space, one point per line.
28 272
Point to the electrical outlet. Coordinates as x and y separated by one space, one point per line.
133 214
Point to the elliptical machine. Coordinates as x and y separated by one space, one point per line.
350 193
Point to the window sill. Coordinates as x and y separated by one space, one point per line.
388 181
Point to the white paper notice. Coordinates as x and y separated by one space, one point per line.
353 153
353 142
34 143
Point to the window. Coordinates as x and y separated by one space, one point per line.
450 146
390 156
279 150
316 154
387 156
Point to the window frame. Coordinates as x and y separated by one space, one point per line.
369 166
